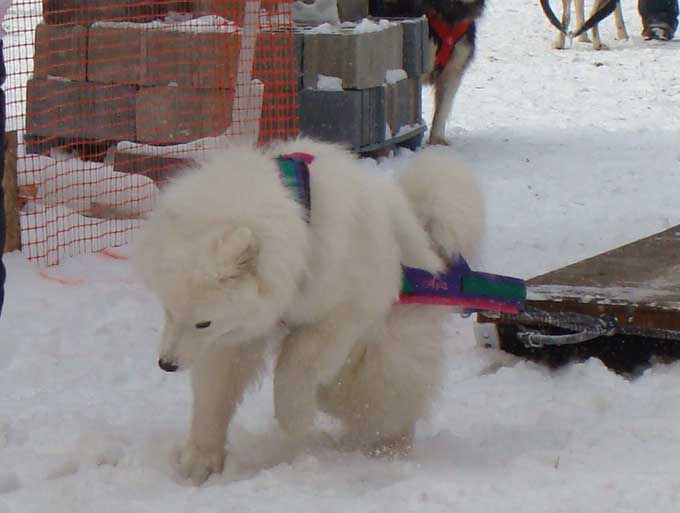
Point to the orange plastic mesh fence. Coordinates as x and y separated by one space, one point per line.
111 98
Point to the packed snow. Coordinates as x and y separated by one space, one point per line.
577 152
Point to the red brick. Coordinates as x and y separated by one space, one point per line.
170 115
80 110
114 55
202 60
60 51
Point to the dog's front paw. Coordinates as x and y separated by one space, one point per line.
198 464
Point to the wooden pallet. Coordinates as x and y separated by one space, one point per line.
635 287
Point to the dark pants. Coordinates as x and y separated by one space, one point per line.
659 11
3 228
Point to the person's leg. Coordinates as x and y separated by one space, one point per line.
2 173
659 18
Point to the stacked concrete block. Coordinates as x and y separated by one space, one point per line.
375 93
359 59
403 104
352 117
418 59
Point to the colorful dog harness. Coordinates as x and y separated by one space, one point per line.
459 287
449 36
294 171
463 288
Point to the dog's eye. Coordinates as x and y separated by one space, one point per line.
202 325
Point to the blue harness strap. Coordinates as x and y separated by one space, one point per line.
294 170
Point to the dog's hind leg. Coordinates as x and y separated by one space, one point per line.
445 88
219 379
310 357
389 381
560 38
621 32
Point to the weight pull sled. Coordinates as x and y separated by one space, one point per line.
622 306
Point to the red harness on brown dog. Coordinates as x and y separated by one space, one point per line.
449 35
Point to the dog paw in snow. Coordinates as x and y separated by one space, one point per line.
198 464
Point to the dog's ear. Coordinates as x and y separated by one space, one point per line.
237 252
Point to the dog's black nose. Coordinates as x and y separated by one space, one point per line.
167 366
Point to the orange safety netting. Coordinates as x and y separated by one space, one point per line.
111 98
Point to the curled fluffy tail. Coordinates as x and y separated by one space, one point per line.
447 201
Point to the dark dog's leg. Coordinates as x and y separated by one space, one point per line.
559 41
445 87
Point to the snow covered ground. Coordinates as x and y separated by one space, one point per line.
577 152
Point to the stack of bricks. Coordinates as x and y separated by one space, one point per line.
379 65
109 70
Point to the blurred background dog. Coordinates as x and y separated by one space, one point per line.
452 33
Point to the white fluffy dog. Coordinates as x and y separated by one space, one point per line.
231 256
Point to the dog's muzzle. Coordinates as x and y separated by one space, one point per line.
167 366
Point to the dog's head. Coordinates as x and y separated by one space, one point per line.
210 292
224 251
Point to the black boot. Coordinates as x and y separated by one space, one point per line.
659 18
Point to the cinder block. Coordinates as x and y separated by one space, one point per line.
417 48
354 118
85 12
352 10
170 115
80 110
60 51
359 59
403 103
162 57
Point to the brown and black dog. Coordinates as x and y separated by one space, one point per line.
452 32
